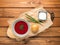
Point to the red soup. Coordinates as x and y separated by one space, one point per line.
21 27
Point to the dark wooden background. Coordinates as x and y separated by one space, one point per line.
10 9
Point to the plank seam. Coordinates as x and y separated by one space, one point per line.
37 36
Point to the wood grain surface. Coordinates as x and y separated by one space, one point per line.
10 9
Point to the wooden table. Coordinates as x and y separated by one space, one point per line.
10 9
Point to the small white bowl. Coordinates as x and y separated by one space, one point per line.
20 35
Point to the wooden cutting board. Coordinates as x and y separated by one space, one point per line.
34 13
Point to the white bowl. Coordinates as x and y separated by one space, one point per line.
20 35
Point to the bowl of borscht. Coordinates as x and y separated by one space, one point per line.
20 27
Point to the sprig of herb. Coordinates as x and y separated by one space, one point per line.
21 27
31 19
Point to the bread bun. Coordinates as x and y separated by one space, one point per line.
34 27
